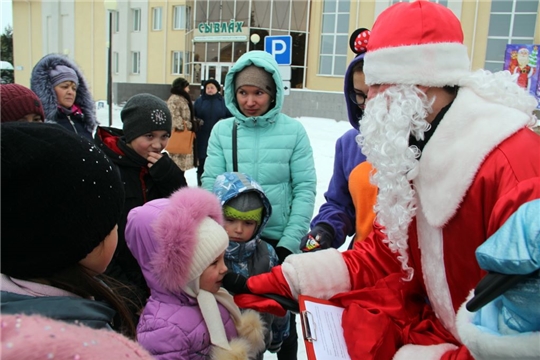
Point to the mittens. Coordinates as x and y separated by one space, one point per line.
320 237
260 304
252 293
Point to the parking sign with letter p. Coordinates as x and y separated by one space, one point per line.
280 48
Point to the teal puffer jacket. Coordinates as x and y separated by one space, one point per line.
275 150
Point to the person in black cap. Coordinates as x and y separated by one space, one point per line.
61 203
210 108
147 173
65 94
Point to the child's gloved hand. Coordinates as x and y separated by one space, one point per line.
265 286
259 303
320 237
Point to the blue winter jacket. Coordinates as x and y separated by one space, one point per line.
211 109
275 150
338 211
255 256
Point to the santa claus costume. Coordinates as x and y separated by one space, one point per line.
479 162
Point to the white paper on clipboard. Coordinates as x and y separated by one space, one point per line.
325 326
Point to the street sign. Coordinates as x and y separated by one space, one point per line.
280 47
286 88
285 72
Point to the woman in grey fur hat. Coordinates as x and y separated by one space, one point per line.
65 95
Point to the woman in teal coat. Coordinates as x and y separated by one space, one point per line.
271 147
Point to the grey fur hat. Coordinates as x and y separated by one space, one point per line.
42 84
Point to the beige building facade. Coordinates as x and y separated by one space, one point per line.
156 41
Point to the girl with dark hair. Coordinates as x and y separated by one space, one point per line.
181 107
58 236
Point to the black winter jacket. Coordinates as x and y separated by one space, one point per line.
141 184
211 109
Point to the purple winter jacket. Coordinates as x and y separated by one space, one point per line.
338 211
171 325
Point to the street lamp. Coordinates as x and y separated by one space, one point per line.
255 38
110 7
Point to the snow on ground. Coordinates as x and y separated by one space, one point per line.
322 134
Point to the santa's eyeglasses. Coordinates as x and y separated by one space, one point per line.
358 98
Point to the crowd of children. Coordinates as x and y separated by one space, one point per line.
117 241
107 253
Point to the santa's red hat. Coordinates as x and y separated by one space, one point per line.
417 43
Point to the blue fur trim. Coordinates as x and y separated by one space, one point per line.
41 84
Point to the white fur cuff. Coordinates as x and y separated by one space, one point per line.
489 346
320 274
415 352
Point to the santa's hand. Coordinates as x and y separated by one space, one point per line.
259 303
276 295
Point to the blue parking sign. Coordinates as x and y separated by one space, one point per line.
280 48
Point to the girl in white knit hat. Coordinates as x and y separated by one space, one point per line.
179 243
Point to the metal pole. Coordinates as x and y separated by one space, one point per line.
109 71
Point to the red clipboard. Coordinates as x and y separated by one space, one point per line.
309 325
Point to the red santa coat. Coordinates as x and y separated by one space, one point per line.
480 165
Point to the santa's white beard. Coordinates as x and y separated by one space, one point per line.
388 121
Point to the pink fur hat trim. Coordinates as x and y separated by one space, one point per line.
181 253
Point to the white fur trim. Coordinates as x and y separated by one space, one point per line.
239 350
320 274
430 240
252 328
486 346
470 130
416 352
435 65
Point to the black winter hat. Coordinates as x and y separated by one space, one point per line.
144 113
61 196
212 81
180 83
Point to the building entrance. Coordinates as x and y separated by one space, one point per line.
216 71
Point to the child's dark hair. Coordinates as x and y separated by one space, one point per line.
76 279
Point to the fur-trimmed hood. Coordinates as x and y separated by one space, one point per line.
41 84
162 236
265 61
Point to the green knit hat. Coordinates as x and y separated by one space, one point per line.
246 206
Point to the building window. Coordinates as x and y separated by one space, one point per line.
135 62
177 62
156 19
334 37
442 2
511 22
179 17
116 21
136 19
116 63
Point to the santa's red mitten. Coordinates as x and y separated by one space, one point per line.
271 282
259 303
